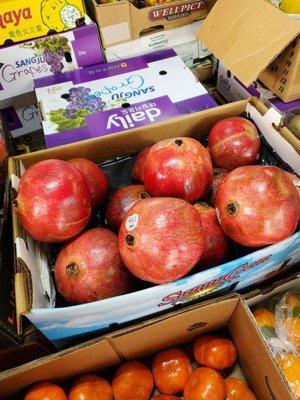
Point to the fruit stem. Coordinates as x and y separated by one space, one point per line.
144 195
130 240
231 208
179 142
72 269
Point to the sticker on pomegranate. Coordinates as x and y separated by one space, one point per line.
131 222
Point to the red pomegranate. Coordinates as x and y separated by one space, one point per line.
90 268
257 205
121 202
295 180
161 239
216 242
54 202
219 174
234 142
178 167
138 167
96 179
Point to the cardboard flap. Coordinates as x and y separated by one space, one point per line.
247 35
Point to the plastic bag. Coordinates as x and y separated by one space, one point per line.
279 321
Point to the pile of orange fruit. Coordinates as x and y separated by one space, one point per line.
170 375
279 321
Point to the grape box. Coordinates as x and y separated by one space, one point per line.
21 63
26 19
118 96
21 115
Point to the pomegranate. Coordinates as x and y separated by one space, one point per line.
90 268
219 174
138 167
161 239
178 167
234 142
121 202
216 242
295 180
54 202
257 205
96 180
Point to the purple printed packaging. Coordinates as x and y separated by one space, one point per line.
233 90
114 97
21 115
23 62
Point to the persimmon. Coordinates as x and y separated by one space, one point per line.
165 397
45 391
205 384
91 387
171 370
215 352
132 381
236 389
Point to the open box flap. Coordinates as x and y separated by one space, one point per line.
247 35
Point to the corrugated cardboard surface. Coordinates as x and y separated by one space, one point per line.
247 35
146 338
282 77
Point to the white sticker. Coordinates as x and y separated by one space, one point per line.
131 222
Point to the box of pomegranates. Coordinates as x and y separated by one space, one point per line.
209 351
190 216
21 63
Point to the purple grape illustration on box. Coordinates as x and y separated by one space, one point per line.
53 49
80 103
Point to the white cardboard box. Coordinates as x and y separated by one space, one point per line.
183 40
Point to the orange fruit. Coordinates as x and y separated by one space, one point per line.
238 390
290 365
45 391
165 397
215 352
205 384
132 381
91 387
171 370
264 317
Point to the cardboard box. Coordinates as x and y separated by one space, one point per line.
24 62
183 40
27 19
145 339
35 295
233 89
246 42
121 21
21 115
125 94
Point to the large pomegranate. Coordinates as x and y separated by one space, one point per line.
139 164
90 268
161 239
178 167
54 202
219 174
216 242
234 142
121 202
96 180
257 205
